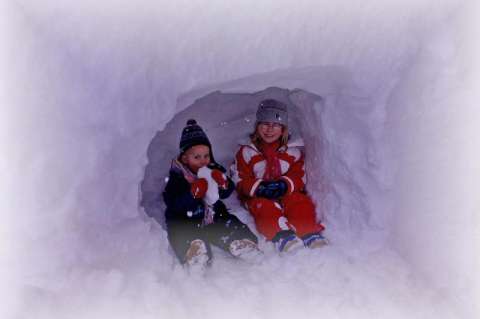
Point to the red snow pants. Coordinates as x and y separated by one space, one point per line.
295 211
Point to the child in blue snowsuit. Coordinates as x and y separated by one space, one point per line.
195 221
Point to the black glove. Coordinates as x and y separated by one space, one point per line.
274 189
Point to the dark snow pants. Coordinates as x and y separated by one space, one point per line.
225 229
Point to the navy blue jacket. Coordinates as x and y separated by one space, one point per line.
179 199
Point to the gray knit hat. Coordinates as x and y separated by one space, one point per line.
274 111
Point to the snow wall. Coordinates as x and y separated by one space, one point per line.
86 87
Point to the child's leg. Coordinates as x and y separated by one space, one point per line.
227 228
268 216
300 212
180 235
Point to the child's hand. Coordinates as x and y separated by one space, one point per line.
220 178
199 188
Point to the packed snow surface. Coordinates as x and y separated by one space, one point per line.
95 98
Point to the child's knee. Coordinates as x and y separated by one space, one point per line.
300 206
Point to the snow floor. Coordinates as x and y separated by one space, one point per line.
143 280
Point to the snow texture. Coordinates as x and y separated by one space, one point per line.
94 96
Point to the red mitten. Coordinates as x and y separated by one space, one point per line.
220 178
199 188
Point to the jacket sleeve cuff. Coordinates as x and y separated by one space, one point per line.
291 185
254 187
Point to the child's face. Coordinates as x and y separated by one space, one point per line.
269 132
196 156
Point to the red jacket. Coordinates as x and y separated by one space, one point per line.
249 168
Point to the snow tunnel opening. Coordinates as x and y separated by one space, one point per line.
228 119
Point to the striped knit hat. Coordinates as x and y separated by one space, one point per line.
193 135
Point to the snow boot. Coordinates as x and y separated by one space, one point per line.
245 249
314 241
289 244
197 255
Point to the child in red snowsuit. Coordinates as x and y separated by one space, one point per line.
270 180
